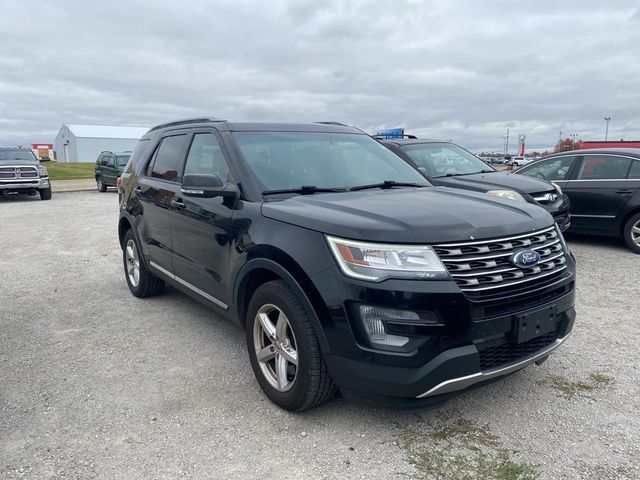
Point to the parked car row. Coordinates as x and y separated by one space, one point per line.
346 267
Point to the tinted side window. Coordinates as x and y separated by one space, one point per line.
206 157
551 169
635 170
603 167
169 156
138 153
99 160
110 162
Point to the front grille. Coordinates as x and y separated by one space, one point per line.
16 173
497 356
486 266
545 198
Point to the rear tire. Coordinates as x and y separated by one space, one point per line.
101 185
279 330
45 193
632 233
140 280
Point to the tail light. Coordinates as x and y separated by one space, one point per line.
119 182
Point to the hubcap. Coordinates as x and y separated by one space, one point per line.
635 233
133 263
275 347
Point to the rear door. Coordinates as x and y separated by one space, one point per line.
201 228
599 191
158 186
109 170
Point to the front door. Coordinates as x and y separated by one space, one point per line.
202 227
599 192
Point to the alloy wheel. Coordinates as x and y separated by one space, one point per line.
275 347
635 233
133 263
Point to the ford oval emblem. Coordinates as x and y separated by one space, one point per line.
525 258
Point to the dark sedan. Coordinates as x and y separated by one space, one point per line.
449 165
604 188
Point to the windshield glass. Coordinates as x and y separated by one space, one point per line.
441 159
285 160
17 155
122 160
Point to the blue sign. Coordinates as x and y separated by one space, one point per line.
390 133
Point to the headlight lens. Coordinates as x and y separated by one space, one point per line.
510 194
43 171
557 187
379 261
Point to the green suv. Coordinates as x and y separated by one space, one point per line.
109 167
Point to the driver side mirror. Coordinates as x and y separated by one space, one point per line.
207 186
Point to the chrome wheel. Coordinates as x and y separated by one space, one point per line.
133 263
635 233
275 347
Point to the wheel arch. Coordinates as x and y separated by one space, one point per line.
623 223
277 265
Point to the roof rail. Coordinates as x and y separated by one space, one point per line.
187 121
333 123
382 137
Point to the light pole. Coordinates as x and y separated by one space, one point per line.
606 132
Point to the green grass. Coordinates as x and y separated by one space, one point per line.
463 450
70 171
570 389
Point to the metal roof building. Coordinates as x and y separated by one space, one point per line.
83 143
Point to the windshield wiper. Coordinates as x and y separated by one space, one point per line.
461 174
304 190
384 185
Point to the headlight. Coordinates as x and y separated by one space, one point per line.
510 194
42 170
379 261
557 187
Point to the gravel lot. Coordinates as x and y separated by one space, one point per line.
95 383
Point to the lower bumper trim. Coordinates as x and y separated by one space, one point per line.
463 382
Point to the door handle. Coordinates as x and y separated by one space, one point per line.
623 191
178 204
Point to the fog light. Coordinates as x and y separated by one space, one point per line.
372 319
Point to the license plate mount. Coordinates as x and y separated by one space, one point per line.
533 324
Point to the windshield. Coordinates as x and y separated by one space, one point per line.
289 160
17 155
122 160
442 159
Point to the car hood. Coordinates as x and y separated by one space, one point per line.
413 215
26 163
483 182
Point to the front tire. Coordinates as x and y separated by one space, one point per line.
140 280
284 350
101 185
632 233
45 193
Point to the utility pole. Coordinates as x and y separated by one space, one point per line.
506 148
606 133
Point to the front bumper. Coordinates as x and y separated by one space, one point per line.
473 344
24 184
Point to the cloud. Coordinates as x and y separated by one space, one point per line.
464 70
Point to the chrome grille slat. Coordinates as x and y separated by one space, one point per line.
18 172
484 265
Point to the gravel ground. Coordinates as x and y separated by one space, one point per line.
95 383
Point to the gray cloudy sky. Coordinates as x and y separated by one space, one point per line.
464 70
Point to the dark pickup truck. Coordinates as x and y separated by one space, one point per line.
21 172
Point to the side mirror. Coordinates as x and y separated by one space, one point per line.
206 186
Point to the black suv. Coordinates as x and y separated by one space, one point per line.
21 172
345 267
449 165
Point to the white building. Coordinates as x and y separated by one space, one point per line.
83 143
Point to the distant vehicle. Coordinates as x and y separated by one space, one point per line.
603 186
109 167
519 161
449 165
21 172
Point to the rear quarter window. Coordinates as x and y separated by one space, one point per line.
137 155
